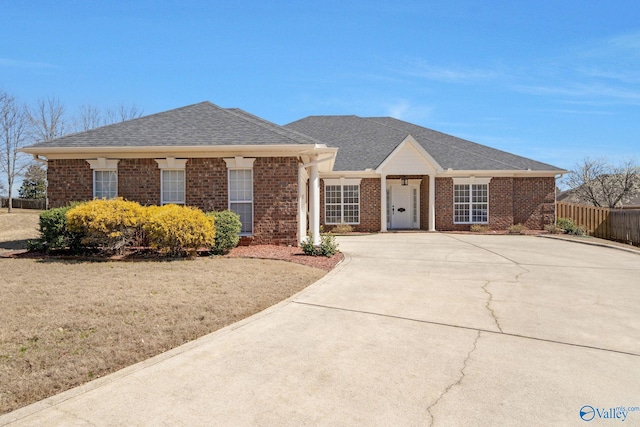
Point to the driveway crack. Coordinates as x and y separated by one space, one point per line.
488 305
455 383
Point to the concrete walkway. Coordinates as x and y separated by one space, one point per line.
412 330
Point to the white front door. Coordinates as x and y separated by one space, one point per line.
400 206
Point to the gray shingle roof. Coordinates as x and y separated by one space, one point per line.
365 142
203 124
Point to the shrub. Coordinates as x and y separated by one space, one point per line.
517 229
342 229
566 224
178 230
569 227
579 231
107 224
228 228
328 246
477 228
53 231
553 229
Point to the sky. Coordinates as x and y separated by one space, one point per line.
556 81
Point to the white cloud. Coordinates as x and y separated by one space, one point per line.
16 63
422 69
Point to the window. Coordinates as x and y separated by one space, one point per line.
173 186
241 197
172 180
471 201
105 184
342 204
105 177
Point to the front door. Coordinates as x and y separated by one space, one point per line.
400 206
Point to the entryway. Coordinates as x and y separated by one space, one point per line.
403 204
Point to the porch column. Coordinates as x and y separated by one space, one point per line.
314 202
302 204
432 203
383 203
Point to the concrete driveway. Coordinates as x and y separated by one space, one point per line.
411 330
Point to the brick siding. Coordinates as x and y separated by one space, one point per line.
68 181
527 201
369 206
275 189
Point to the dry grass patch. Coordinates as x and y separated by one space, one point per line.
17 227
63 323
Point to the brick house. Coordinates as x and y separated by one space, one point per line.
377 174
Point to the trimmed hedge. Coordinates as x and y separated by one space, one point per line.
228 228
179 229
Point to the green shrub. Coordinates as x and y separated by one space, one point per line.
328 246
107 224
517 229
54 233
178 230
566 224
569 227
228 228
477 228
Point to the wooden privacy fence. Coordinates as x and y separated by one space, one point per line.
24 203
613 224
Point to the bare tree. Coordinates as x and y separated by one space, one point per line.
14 120
600 183
91 117
122 113
47 119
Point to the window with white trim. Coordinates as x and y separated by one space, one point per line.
172 186
105 177
471 201
172 180
240 176
241 197
105 184
342 204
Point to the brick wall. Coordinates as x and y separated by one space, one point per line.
206 184
369 206
275 189
500 203
275 195
528 201
139 180
68 181
534 201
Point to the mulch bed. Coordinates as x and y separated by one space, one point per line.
286 253
283 253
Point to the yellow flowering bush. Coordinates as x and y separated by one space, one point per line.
179 229
109 224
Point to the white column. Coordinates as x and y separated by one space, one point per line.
302 204
383 203
432 203
314 202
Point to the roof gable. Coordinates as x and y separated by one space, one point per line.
409 158
364 143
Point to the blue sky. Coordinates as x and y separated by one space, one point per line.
556 81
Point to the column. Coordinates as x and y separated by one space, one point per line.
314 202
302 204
383 203
432 203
